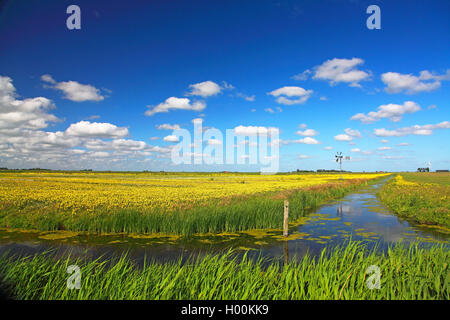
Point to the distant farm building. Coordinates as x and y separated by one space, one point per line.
442 170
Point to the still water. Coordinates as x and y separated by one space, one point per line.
358 216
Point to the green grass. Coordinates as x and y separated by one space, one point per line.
442 178
339 273
258 212
422 201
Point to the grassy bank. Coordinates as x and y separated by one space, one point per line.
229 214
339 273
412 196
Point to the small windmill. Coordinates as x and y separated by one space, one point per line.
429 166
339 157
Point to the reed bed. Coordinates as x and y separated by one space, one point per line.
338 273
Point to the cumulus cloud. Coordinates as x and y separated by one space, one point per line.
328 148
31 113
96 129
127 144
423 130
82 145
73 90
341 70
284 94
384 148
348 135
355 150
205 89
410 84
254 130
171 138
174 103
308 133
100 154
392 111
343 137
303 156
306 140
167 126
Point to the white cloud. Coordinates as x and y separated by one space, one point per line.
341 70
355 150
96 129
270 110
307 140
83 145
205 89
408 83
392 111
328 148
254 130
167 126
343 137
301 95
413 130
308 133
128 144
302 76
245 97
349 135
227 86
384 148
73 90
403 144
384 141
174 103
353 133
392 157
303 156
22 114
100 154
171 138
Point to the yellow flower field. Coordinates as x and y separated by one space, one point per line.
89 191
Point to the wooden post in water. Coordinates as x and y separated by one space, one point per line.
286 218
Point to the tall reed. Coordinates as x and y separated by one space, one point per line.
338 273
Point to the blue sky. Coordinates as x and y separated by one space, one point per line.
96 97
